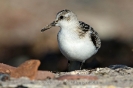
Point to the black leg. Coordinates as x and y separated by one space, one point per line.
81 64
74 65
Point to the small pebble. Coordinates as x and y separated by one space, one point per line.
21 86
4 77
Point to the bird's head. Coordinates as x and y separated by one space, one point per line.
64 18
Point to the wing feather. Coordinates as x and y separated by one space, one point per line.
93 34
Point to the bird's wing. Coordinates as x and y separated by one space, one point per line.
93 34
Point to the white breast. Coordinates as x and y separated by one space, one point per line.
73 47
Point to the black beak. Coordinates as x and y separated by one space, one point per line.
49 26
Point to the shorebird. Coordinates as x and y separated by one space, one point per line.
77 40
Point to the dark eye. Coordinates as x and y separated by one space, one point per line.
61 17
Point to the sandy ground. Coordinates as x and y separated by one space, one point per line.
116 76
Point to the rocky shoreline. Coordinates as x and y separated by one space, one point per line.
115 76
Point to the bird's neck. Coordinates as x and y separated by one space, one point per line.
69 25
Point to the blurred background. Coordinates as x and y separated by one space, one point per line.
22 20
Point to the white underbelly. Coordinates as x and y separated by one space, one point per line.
76 48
